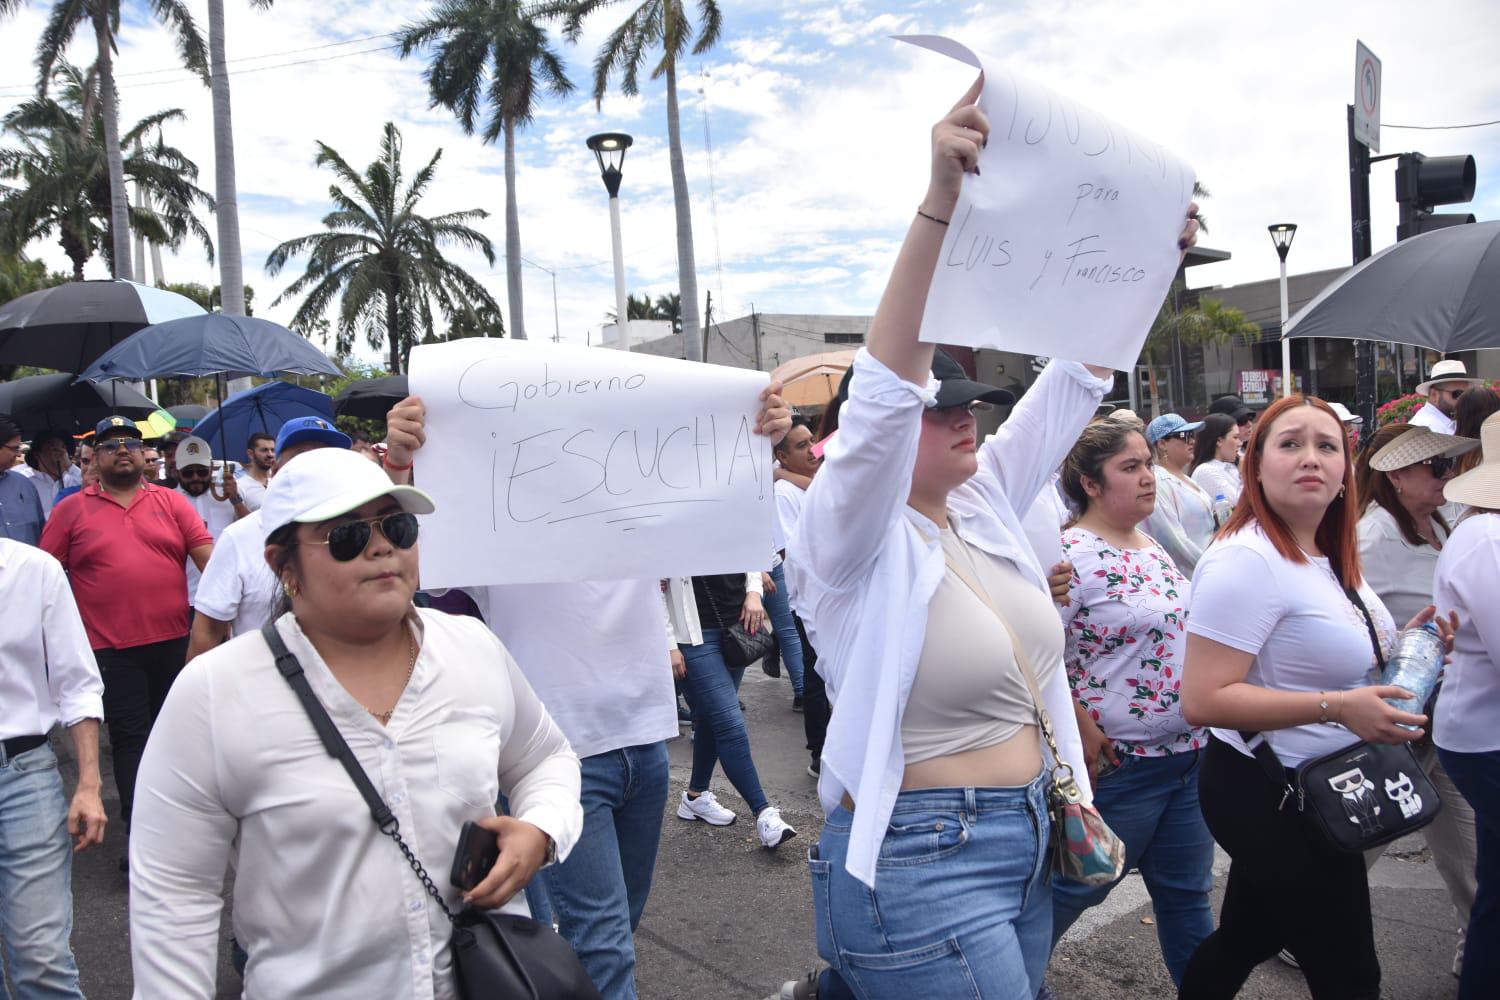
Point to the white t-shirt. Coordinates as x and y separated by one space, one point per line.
1042 524
252 490
1218 477
217 515
595 653
1400 572
1467 581
1305 633
237 585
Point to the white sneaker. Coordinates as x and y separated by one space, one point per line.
706 808
773 830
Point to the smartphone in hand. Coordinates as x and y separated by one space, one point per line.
478 850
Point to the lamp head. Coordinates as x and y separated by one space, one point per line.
1281 236
609 149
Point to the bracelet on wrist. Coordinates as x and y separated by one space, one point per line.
931 218
387 463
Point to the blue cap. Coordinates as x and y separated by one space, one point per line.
300 429
116 426
1168 424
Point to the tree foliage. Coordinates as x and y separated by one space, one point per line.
381 260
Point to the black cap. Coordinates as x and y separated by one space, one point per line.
116 427
955 388
1234 406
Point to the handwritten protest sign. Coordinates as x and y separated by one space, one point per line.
1065 242
552 463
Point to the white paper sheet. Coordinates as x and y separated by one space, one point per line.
553 462
1065 243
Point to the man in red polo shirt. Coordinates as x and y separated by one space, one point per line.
124 543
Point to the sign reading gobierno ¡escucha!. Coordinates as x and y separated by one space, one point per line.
551 463
1065 243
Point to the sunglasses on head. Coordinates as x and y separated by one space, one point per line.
115 444
349 539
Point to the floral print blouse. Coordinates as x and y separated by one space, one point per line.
1126 623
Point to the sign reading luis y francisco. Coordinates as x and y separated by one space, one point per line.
1065 242
553 462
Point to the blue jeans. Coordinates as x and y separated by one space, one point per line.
718 724
1151 803
779 608
1477 776
598 894
962 904
36 878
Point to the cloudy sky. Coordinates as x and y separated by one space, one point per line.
819 129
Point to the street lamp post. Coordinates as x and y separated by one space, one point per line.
609 149
1281 236
556 327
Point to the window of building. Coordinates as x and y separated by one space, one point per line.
843 338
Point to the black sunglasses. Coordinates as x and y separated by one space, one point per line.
348 540
115 444
1440 465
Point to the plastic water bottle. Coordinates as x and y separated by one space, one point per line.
1222 509
1415 667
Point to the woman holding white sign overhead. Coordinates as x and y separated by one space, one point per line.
943 651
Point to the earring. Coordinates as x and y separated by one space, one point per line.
1341 491
290 588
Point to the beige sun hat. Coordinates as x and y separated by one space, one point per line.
1480 486
1418 445
1451 370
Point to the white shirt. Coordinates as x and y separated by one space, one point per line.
865 566
1431 416
252 490
1467 581
238 586
1182 521
1397 570
788 497
325 904
47 488
217 515
596 655
1218 478
47 670
1294 618
1043 523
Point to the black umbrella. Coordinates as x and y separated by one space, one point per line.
188 414
370 398
69 325
1440 290
55 403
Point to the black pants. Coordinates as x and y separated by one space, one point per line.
136 682
1287 889
815 708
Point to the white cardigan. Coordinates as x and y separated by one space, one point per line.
681 608
864 566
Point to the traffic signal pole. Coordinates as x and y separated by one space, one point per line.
1359 228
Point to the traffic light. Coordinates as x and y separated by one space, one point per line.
1423 182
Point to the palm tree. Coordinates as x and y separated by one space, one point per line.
231 265
491 51
381 259
663 23
62 164
104 17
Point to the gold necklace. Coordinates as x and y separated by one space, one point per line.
385 717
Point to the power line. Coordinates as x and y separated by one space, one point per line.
1442 128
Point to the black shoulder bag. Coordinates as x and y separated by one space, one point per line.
1363 795
737 645
496 956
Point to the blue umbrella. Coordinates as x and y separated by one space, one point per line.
262 409
211 344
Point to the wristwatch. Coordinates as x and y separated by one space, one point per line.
550 858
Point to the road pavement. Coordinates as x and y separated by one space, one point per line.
730 919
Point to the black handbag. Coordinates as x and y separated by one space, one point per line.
1362 795
739 647
496 956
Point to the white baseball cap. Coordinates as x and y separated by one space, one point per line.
1344 414
194 451
326 482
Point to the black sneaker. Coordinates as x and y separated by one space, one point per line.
796 703
815 769
684 717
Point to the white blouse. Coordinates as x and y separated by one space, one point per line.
323 902
1467 580
1182 521
1400 572
1217 478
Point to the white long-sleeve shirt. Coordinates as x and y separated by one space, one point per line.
1219 479
47 670
1432 417
325 903
1466 580
866 566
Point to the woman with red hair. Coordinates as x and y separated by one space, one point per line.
1279 649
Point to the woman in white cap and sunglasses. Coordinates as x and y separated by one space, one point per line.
434 708
1463 726
1400 478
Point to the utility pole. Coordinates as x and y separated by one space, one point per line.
708 318
755 333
